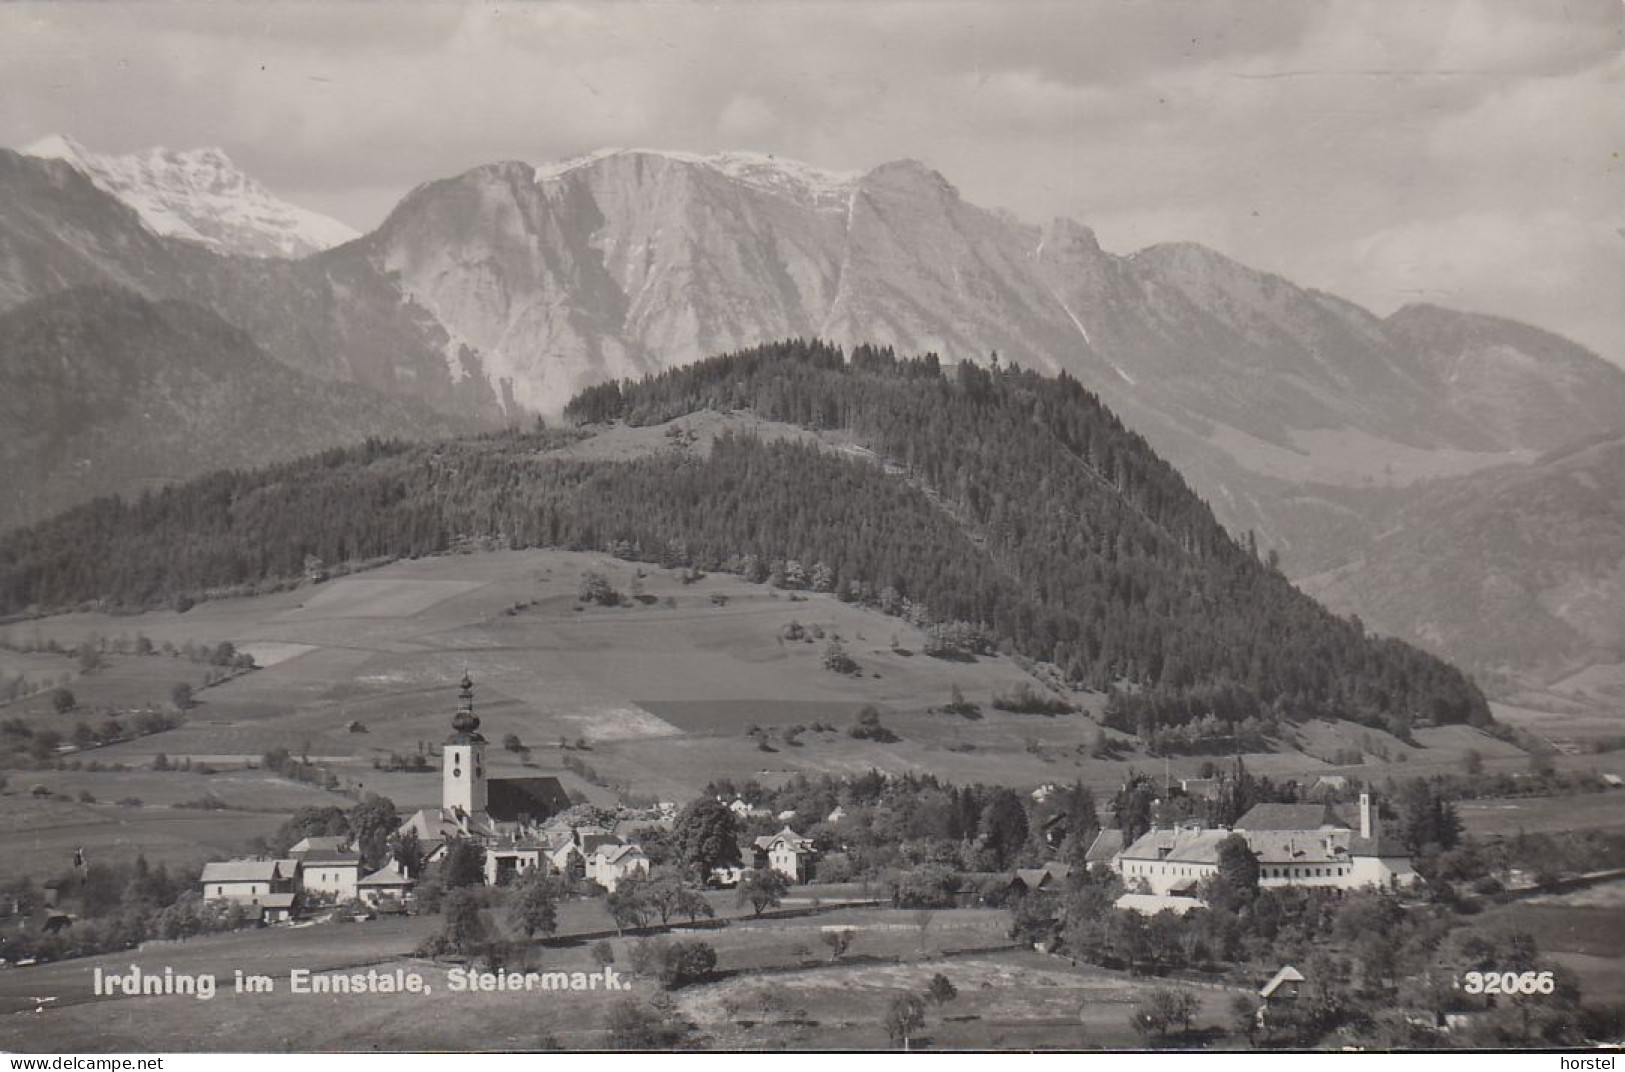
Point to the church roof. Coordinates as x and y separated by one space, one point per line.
533 799
465 724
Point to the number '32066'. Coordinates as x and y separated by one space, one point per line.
1528 982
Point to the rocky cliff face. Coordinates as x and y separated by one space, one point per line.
503 291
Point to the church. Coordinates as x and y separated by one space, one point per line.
503 815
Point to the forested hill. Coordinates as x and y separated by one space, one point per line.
1012 506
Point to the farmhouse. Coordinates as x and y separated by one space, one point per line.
267 885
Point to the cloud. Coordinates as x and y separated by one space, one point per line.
1547 266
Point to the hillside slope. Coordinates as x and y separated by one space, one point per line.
104 392
333 316
1010 509
1517 569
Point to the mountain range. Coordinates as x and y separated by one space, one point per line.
199 194
505 290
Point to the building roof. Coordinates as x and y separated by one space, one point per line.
1107 844
1185 845
387 876
1384 846
441 824
1298 817
321 843
242 871
1298 846
331 859
1288 974
1149 904
1035 878
792 840
277 900
524 799
614 854
591 843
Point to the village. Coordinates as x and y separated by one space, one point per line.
522 827
768 875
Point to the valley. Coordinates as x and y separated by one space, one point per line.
653 697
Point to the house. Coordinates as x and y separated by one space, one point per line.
747 811
269 886
836 816
609 865
1329 783
562 854
1032 879
1279 995
507 861
278 907
247 880
384 886
786 852
320 843
1283 985
330 874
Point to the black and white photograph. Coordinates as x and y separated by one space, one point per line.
954 526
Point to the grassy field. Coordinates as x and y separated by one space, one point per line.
1579 930
1533 815
660 690
1007 998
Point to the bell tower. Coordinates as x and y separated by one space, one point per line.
462 773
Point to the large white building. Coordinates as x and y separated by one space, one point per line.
1295 845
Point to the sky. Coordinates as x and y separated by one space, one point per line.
1390 151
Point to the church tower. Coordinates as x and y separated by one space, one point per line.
462 773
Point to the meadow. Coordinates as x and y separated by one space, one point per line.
652 697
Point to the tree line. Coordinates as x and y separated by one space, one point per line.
1012 505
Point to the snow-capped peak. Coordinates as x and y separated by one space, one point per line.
200 195
763 171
